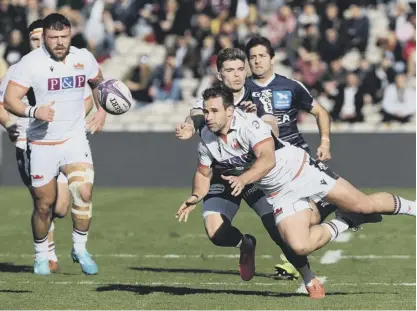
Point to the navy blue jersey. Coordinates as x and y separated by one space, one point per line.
282 98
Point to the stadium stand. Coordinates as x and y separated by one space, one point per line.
164 50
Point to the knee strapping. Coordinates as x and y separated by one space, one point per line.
80 208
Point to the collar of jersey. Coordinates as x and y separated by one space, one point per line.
237 119
71 50
266 83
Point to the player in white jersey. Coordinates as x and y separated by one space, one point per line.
220 206
58 74
61 206
293 182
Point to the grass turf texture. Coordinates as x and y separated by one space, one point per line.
135 239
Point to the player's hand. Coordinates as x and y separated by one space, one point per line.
186 208
236 183
323 153
45 112
249 107
184 131
12 131
97 121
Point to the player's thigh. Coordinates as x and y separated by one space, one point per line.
293 222
256 200
43 164
346 196
215 207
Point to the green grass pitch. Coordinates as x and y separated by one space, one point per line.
147 260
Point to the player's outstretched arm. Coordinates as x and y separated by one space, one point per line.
323 123
193 122
201 187
97 121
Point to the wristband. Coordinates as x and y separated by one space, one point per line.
325 138
27 111
34 111
194 195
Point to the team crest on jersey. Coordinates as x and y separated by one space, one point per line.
282 99
235 144
63 83
79 66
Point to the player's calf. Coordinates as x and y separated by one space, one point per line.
346 196
80 183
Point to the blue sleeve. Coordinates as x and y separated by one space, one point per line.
303 98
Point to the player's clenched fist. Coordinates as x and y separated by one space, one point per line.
45 112
184 131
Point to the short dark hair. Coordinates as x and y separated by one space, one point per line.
35 25
218 91
229 54
56 21
255 41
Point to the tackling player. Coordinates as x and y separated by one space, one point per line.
283 98
220 206
58 74
244 145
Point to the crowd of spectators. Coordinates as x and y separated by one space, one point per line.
314 39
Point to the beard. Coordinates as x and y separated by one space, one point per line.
56 57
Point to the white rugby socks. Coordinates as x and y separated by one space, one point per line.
41 249
51 243
335 226
403 206
79 239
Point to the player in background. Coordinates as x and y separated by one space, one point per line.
220 206
283 98
58 74
286 173
17 134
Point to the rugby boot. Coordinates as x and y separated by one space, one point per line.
88 266
247 257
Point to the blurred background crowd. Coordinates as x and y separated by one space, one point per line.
356 57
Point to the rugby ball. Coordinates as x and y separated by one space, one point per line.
114 96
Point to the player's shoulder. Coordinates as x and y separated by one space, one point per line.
33 55
83 52
244 121
250 84
206 135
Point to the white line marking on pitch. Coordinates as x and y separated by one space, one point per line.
331 257
344 237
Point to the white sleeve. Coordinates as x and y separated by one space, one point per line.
204 156
199 103
22 73
256 133
93 66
